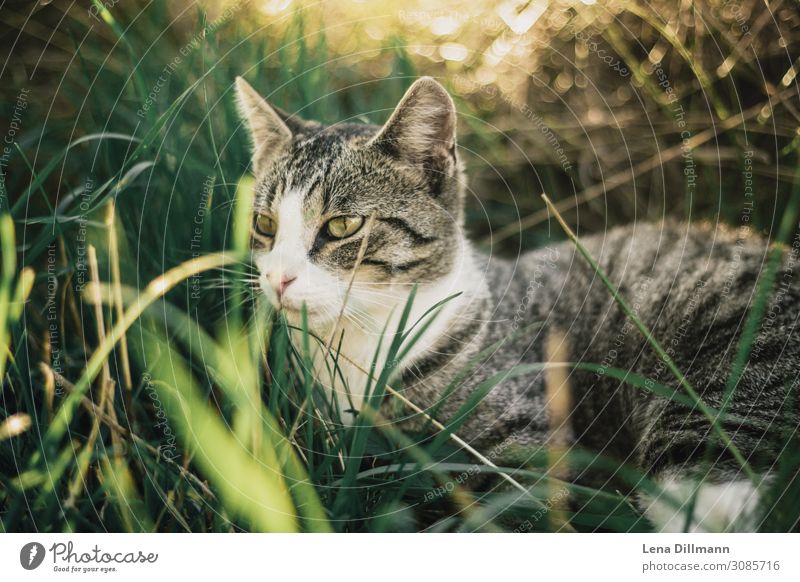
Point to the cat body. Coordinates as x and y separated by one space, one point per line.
350 217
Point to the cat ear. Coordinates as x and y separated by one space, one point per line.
423 125
268 131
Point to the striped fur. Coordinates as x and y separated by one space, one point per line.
691 285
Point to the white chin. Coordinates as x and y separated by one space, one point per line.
316 319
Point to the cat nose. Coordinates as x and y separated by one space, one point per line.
285 281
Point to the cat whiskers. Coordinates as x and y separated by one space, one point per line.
366 294
227 283
359 316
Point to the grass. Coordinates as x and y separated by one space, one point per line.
145 388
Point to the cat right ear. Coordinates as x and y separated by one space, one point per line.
268 131
423 126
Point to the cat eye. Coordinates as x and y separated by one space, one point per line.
265 225
344 226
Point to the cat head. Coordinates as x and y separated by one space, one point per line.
326 195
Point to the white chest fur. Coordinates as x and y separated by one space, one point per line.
374 330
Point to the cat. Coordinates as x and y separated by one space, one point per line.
348 217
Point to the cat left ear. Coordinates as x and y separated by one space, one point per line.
423 125
269 133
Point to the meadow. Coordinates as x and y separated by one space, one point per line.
146 386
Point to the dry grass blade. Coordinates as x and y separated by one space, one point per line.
116 279
559 405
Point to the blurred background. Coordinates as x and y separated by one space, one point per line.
619 111
587 101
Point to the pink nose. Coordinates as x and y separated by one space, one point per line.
286 280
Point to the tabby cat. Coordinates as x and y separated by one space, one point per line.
349 217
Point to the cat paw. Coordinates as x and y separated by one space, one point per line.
727 506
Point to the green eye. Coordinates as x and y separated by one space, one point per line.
344 226
266 225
